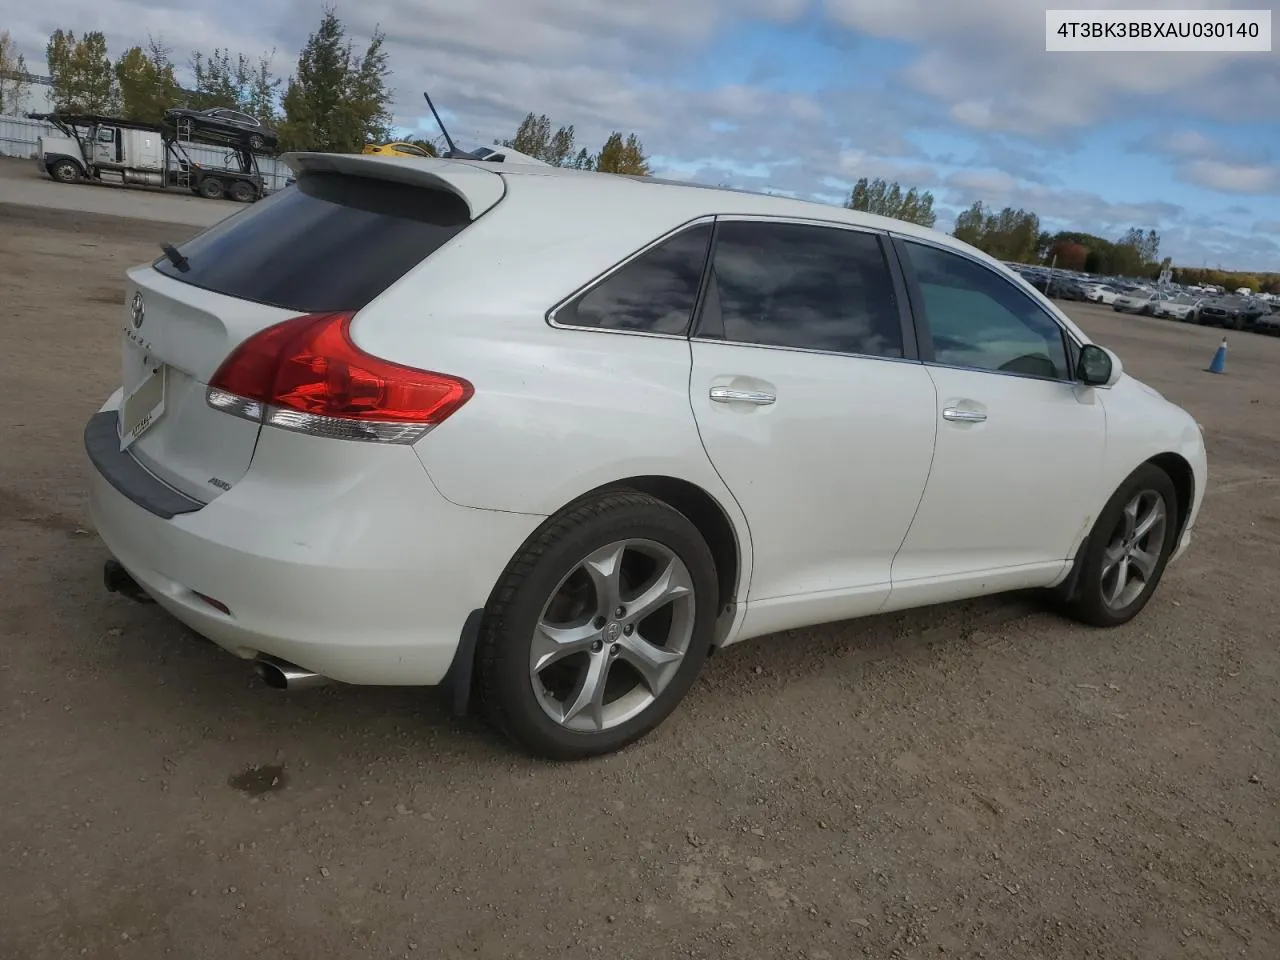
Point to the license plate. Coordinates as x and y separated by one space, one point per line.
144 405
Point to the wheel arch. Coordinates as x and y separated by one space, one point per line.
701 508
704 512
1183 476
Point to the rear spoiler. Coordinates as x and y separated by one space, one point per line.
478 188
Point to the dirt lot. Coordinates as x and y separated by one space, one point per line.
977 780
22 182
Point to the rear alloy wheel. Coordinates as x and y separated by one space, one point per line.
256 142
598 628
211 188
1128 549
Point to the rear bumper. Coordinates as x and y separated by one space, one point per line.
340 557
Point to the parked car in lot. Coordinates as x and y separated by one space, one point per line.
1233 312
1064 288
1101 293
1184 307
546 438
1136 301
397 149
235 125
1268 323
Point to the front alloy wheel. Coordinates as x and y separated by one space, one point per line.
1130 560
1126 551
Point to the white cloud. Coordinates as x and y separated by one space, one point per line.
985 59
1232 177
603 65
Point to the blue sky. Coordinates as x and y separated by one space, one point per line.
804 96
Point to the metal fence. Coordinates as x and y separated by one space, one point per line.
18 136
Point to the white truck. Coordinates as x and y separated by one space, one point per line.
109 150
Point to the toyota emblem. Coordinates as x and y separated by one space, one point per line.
136 310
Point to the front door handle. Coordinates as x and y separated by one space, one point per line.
729 395
957 415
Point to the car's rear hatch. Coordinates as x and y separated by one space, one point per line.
350 228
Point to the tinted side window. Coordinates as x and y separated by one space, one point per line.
333 242
654 293
793 285
978 319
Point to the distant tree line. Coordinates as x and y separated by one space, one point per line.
887 199
535 138
337 99
13 71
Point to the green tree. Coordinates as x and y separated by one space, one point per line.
83 78
887 199
535 138
263 90
968 228
623 156
13 76
337 100
146 82
1134 253
221 80
1013 235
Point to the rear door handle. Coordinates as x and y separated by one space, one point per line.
729 395
957 415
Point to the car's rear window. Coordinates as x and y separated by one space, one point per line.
331 242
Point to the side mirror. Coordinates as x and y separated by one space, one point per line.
1098 366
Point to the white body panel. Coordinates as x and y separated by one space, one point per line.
1008 497
190 330
61 146
848 495
317 563
829 475
138 150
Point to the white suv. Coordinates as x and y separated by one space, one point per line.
548 437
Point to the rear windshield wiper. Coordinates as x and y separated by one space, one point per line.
177 259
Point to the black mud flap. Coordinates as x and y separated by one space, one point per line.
457 679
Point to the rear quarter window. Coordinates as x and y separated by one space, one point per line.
330 242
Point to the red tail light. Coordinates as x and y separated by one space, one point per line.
305 374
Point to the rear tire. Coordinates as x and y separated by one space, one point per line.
211 188
1123 562
573 663
242 191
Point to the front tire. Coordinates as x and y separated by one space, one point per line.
598 627
65 171
1128 549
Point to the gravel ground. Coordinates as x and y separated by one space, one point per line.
975 780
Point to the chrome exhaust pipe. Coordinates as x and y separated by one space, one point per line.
282 675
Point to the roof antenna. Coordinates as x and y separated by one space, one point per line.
453 148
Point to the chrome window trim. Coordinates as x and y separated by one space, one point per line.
601 278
